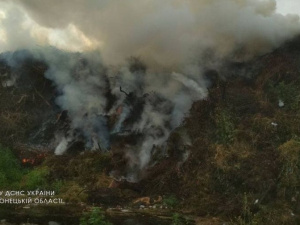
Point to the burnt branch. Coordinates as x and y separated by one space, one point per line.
124 91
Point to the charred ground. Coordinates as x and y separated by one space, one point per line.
240 162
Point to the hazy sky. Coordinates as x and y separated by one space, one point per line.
288 6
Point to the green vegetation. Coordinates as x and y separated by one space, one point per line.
178 219
289 179
95 217
13 176
171 201
72 192
10 169
277 214
246 217
36 179
224 127
287 92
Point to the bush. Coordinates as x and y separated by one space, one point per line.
171 201
73 193
246 217
290 172
224 127
95 217
288 93
178 219
277 213
57 186
37 179
10 169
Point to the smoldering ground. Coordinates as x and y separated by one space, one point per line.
175 40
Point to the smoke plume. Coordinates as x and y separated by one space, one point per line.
150 96
167 33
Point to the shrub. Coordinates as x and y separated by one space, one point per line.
95 217
57 186
290 172
10 169
73 193
171 201
224 127
288 93
247 217
37 179
277 213
178 219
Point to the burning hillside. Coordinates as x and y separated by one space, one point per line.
168 96
92 97
93 106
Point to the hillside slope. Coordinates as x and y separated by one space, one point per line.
244 156
236 156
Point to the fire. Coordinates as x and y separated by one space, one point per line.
28 161
35 160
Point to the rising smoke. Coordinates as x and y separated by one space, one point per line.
171 37
167 33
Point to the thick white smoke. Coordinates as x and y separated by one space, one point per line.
171 37
166 33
